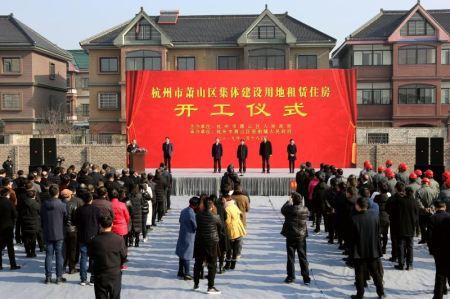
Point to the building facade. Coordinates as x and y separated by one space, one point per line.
171 41
32 78
403 71
78 89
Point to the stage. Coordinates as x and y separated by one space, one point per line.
198 181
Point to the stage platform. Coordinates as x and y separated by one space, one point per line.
198 181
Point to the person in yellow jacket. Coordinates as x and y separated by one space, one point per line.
235 230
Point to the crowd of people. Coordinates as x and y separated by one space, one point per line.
86 219
212 231
360 212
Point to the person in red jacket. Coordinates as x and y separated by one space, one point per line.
121 215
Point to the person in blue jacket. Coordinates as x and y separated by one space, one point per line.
186 238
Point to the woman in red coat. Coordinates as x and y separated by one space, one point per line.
121 216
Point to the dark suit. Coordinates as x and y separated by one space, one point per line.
265 151
439 247
242 153
168 152
217 153
292 150
132 148
367 251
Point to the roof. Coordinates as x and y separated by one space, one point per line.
80 59
14 33
215 29
383 26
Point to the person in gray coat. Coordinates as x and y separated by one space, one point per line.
186 238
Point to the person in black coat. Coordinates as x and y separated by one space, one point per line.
320 194
8 166
292 155
265 151
29 215
8 216
404 215
295 230
366 248
86 220
136 201
206 243
242 153
132 147
217 153
167 148
439 245
160 194
382 201
108 253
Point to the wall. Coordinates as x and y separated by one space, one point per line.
114 155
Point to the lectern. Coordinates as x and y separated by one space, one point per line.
137 161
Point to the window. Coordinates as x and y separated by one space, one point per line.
445 56
417 26
109 65
307 61
143 60
374 94
417 94
377 138
227 63
11 101
84 83
11 65
108 101
417 55
266 59
83 110
372 55
445 96
266 32
52 71
185 63
143 31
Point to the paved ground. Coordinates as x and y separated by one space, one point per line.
259 274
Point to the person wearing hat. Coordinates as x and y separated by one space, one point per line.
444 195
439 246
419 173
389 164
392 181
379 177
433 184
295 229
413 183
366 169
425 198
186 238
402 175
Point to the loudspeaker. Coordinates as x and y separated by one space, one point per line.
36 152
422 151
437 151
50 157
43 152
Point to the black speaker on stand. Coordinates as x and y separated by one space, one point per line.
42 153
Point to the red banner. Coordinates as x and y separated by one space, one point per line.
316 108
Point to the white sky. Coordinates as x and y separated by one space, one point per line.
66 23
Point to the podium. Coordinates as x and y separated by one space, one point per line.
137 161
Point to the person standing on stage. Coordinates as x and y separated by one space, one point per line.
133 146
265 151
292 155
242 153
167 148
217 153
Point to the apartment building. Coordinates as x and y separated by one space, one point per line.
170 41
32 78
